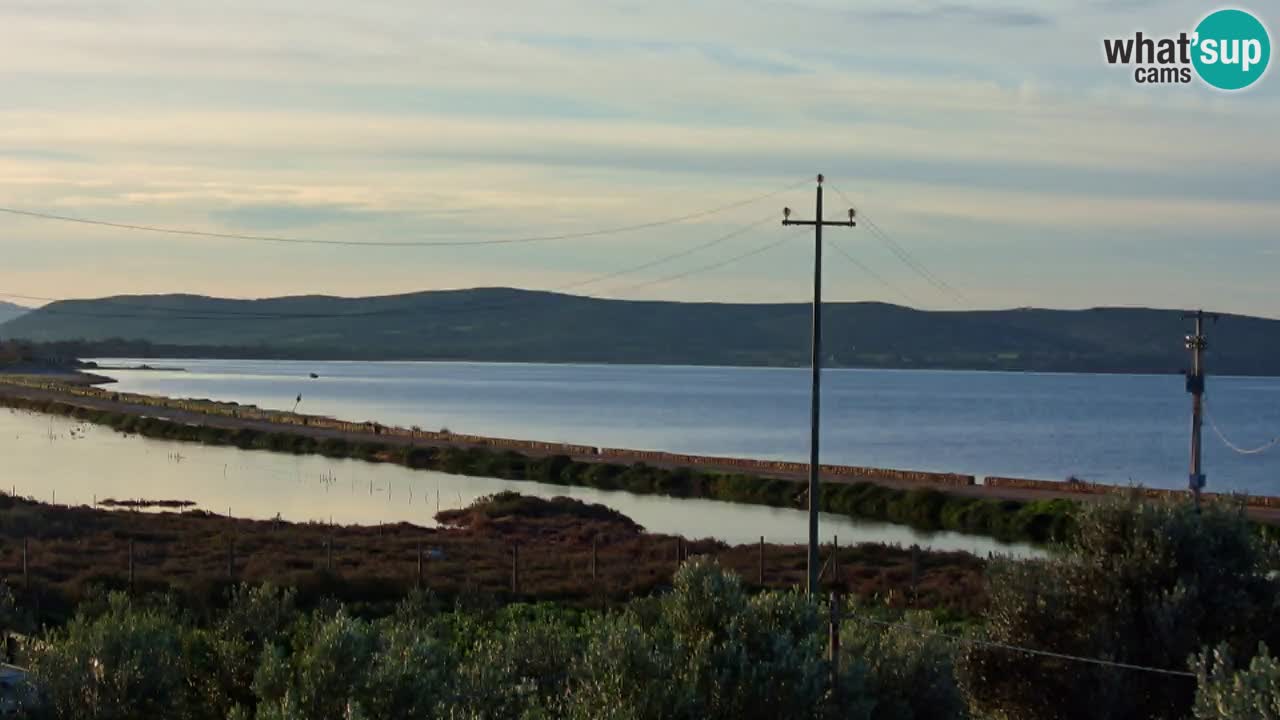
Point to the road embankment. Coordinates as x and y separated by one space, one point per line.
1006 508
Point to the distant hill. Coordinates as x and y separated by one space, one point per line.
500 324
9 311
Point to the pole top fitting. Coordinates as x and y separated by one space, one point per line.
786 212
819 178
851 214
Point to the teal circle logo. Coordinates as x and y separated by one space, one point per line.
1232 49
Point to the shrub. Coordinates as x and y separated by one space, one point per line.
707 651
128 662
1223 693
1145 583
908 668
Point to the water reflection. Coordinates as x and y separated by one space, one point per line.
52 458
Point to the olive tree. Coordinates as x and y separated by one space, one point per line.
1224 693
707 650
128 662
1142 583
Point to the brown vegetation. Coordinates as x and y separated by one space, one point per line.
194 554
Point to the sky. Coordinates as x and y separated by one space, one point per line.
989 139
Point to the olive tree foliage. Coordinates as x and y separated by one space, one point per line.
1144 583
1224 693
344 667
514 668
908 668
228 653
128 662
706 650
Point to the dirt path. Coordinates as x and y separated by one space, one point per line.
1268 515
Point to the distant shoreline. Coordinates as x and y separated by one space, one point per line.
514 325
67 375
536 363
739 478
143 367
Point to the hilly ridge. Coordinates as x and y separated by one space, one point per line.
504 324
9 311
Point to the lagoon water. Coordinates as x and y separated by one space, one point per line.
1108 428
57 459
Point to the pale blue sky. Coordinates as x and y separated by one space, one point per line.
988 138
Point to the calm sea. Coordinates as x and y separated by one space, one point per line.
1108 428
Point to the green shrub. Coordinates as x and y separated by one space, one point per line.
1145 583
1224 693
128 662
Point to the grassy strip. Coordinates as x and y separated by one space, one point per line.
923 509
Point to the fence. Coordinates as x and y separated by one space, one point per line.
65 551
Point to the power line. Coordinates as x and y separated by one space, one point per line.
673 256
145 311
397 243
702 269
1025 650
875 275
904 255
912 262
1236 448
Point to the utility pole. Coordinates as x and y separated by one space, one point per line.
1195 385
816 364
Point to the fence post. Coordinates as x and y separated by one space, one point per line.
915 573
231 558
762 560
515 569
594 560
26 574
419 564
835 560
833 646
130 566
328 554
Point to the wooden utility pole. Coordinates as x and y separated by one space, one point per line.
815 361
1197 344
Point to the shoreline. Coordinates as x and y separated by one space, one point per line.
1148 373
734 479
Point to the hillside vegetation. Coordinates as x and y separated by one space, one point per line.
499 324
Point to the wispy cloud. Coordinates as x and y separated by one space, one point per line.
987 134
281 217
979 14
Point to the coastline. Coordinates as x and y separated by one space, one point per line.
1006 508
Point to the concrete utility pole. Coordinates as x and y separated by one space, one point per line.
816 363
1195 385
